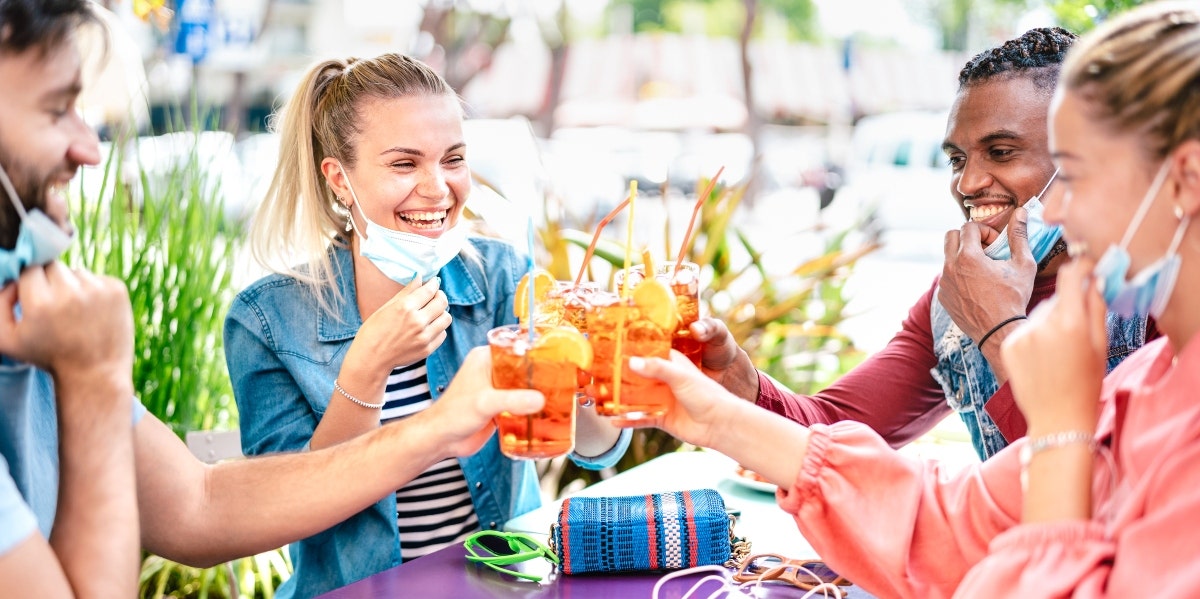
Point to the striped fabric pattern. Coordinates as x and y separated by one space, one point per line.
434 509
663 531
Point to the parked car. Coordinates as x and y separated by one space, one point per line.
897 175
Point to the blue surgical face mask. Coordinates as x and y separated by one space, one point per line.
399 255
39 240
1147 292
1041 237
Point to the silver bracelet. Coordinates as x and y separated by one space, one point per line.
369 406
1060 439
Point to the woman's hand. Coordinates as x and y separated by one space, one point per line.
404 330
701 405
463 414
1056 360
707 415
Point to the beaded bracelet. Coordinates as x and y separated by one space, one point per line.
369 406
997 328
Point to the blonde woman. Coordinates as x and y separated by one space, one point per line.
1101 498
380 292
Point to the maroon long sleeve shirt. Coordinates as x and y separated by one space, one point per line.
893 391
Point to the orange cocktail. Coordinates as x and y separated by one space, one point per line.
685 283
549 364
640 324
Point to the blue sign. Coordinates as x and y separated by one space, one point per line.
195 19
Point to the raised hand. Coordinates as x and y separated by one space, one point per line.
1056 361
700 403
76 325
406 329
723 361
463 414
980 292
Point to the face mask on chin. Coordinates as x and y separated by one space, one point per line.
39 240
1041 237
399 255
1148 291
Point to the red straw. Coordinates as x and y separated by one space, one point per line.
596 238
687 236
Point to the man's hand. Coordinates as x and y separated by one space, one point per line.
980 292
723 361
463 414
76 325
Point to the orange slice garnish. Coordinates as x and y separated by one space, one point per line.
543 284
565 344
656 303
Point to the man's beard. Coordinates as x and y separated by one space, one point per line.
31 192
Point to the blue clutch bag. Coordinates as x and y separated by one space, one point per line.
664 531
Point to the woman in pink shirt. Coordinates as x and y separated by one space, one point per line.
1103 495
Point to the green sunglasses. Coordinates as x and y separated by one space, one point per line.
496 549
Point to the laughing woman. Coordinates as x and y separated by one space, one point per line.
389 294
1099 498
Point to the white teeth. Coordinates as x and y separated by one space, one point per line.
424 216
986 211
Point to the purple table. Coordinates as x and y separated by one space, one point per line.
447 573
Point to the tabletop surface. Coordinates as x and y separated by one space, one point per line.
446 573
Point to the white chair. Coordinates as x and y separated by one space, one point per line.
211 447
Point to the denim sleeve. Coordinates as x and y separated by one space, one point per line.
608 458
17 521
273 414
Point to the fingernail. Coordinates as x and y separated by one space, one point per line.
1022 214
437 281
636 363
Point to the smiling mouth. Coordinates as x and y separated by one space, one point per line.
430 221
986 211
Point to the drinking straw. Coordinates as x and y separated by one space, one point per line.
629 237
617 358
532 309
587 256
687 235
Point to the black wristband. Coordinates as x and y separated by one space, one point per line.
997 328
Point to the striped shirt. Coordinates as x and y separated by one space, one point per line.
434 509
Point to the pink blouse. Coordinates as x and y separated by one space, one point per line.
900 527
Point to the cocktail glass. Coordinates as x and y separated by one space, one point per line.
685 283
543 365
569 302
619 328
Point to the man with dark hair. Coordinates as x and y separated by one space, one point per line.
86 475
999 265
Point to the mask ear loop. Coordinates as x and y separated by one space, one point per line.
12 194
1151 194
350 209
1041 193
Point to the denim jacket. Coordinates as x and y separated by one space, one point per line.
284 352
968 382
